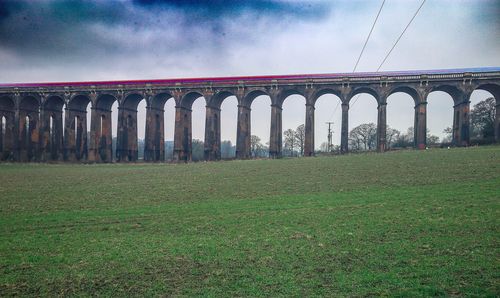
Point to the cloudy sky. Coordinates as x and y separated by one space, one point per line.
107 40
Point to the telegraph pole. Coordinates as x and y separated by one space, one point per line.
330 132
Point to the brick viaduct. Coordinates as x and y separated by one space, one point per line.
32 124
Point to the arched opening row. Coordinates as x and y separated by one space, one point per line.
224 128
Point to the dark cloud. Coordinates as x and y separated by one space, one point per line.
91 29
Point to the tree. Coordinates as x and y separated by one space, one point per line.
448 135
404 140
482 118
198 152
363 137
289 141
255 145
391 136
432 139
323 147
300 137
227 150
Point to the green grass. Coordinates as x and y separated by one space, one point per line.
414 223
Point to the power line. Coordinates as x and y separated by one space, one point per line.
362 51
402 33
368 37
394 45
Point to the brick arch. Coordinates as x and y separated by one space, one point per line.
189 98
105 101
159 100
451 90
407 90
285 93
250 96
54 103
323 91
219 98
494 89
7 103
29 103
132 100
363 89
79 102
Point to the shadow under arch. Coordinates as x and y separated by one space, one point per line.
183 136
101 136
29 116
127 148
154 143
7 119
52 128
75 128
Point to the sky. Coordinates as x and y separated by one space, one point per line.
43 41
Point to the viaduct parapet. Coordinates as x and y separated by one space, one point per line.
32 114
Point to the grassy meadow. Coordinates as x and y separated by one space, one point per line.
409 223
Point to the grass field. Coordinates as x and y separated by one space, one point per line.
413 223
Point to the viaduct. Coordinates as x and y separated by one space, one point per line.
32 124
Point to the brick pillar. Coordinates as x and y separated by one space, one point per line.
94 127
243 133
182 134
309 131
461 124
75 136
154 141
101 143
420 126
275 142
212 134
497 121
381 127
344 136
126 143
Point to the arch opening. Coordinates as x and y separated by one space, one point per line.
53 123
440 117
260 123
7 116
363 118
105 128
197 137
228 126
483 116
169 127
400 119
328 109
293 127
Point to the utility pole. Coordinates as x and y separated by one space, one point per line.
330 132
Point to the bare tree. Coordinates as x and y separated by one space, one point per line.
448 135
363 137
289 140
391 136
255 145
300 137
